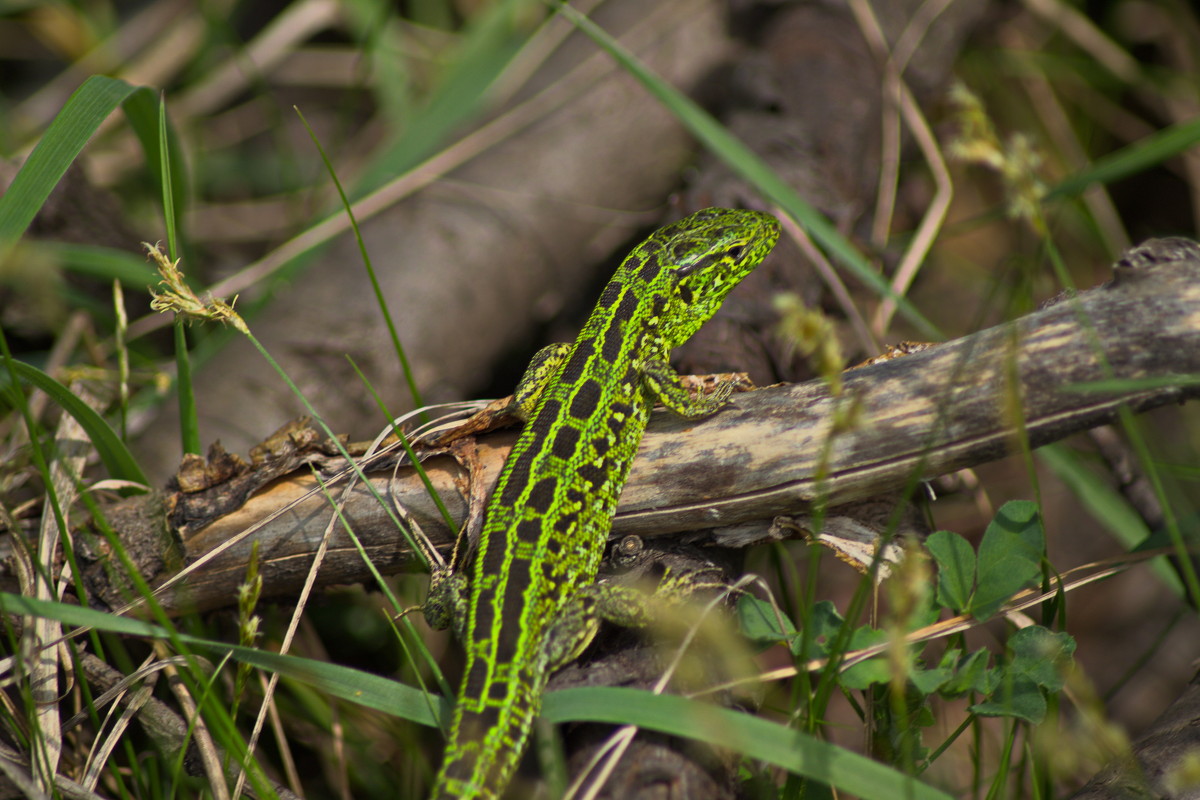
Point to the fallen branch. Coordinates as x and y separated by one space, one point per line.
1133 342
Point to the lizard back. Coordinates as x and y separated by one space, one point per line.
547 522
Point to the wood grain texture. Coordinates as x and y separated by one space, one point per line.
923 415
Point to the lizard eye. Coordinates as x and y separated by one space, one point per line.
737 252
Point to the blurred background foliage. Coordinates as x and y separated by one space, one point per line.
1067 131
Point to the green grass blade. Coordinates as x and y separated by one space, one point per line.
1105 505
168 189
380 300
189 416
105 264
487 47
112 450
755 737
164 154
1135 158
745 162
354 685
89 106
447 517
1130 385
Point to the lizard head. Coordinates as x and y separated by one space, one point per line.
703 257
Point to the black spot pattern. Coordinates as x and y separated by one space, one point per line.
611 292
528 530
628 306
614 341
512 489
658 305
592 474
513 602
650 269
541 496
586 399
574 367
477 676
565 443
489 717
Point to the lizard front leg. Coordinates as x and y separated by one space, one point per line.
663 383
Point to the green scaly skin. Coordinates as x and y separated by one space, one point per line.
533 604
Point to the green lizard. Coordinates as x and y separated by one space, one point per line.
533 604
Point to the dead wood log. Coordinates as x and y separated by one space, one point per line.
776 451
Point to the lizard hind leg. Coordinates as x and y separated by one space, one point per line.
624 605
446 601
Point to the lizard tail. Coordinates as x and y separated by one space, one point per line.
486 751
